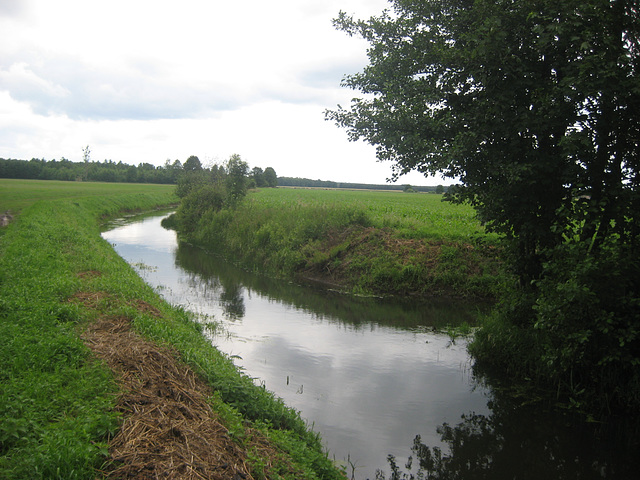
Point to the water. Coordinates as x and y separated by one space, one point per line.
370 374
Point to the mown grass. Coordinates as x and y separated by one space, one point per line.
56 401
369 242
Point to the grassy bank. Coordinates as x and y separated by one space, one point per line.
362 241
58 278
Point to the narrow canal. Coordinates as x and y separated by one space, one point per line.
369 374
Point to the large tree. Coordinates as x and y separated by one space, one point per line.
270 177
531 104
192 164
535 106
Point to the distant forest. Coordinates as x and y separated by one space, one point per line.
110 171
305 182
107 171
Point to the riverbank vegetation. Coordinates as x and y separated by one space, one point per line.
365 242
68 304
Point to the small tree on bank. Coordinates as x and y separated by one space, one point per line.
237 171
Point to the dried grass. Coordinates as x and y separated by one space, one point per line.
169 429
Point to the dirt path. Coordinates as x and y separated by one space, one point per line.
169 429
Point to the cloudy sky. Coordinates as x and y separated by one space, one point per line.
146 81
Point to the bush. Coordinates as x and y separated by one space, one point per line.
200 200
576 332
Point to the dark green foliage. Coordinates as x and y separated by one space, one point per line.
107 171
535 107
577 332
192 164
587 316
200 199
270 177
266 178
191 179
257 177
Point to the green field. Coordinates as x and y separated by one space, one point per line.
412 215
57 403
15 195
366 242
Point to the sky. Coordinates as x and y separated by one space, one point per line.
151 81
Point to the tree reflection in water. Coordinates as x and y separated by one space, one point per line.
232 301
204 270
519 442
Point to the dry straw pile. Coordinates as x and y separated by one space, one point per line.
169 429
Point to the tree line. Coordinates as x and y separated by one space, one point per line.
89 171
308 183
110 171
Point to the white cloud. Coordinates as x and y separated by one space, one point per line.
24 84
151 80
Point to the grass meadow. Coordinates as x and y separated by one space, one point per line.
411 215
57 403
15 195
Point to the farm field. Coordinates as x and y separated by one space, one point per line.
15 194
413 215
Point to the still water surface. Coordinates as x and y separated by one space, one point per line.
369 374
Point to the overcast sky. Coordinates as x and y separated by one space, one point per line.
146 81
